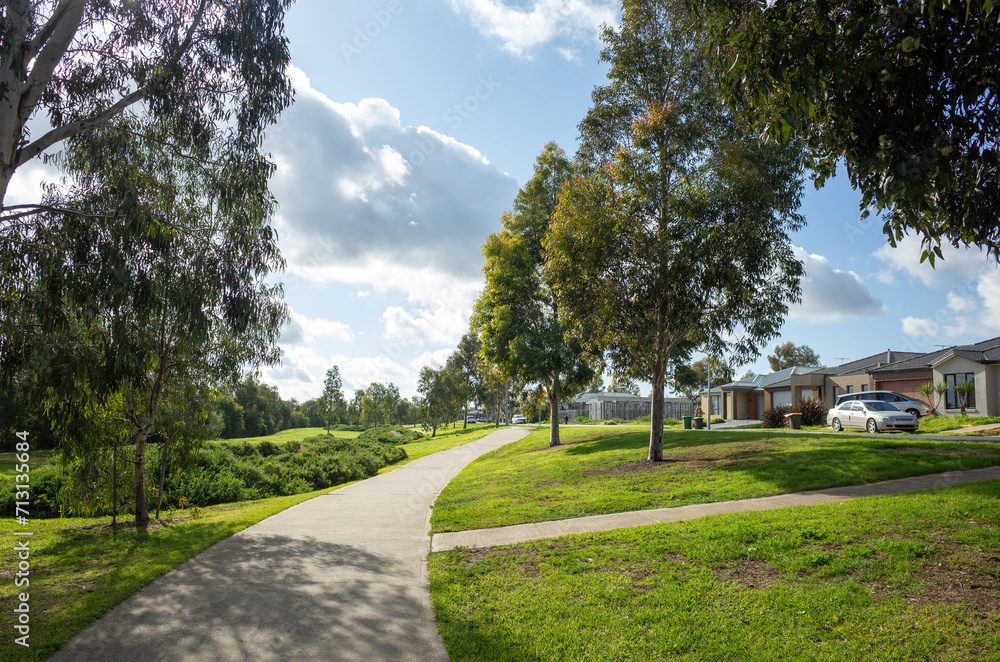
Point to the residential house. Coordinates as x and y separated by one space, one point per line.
978 363
625 406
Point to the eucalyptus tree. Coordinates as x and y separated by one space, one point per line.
332 405
902 92
674 235
88 85
466 361
157 285
68 67
523 335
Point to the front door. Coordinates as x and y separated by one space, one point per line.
760 406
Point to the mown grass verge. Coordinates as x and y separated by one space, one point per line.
599 471
913 577
81 568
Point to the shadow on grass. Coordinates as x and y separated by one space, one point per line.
265 597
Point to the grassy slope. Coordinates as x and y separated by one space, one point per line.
913 577
8 461
526 482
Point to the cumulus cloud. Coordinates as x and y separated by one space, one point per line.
959 264
524 29
303 370
832 294
972 281
302 329
433 359
356 187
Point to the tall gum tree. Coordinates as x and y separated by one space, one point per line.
517 315
76 65
674 235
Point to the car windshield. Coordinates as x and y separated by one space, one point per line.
879 406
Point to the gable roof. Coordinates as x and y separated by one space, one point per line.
985 352
861 366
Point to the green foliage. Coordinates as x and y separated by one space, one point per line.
524 336
902 93
390 435
787 355
675 236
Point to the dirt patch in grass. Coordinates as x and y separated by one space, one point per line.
568 444
959 578
969 452
750 574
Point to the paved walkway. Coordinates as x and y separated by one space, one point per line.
510 535
340 577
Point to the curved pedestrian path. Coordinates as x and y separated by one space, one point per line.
339 577
511 535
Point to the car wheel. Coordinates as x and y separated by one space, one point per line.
837 427
913 412
872 426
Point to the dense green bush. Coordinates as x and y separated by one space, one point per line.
774 417
644 419
46 480
390 435
671 421
813 411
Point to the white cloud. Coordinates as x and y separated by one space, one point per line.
832 294
433 359
304 329
365 199
961 304
522 30
988 289
959 264
926 330
303 370
434 324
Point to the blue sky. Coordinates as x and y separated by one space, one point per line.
414 126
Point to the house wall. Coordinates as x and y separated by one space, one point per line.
986 399
843 381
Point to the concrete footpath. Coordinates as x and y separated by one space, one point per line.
510 535
340 577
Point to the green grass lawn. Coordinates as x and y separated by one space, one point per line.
8 461
603 470
293 434
80 568
911 577
444 440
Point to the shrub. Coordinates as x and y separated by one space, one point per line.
644 419
390 435
582 420
774 417
813 411
671 421
717 420
46 482
612 421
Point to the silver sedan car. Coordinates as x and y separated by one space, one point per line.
873 416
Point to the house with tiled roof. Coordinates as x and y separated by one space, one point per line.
978 363
902 372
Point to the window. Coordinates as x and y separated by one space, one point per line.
715 406
836 393
850 389
864 387
953 400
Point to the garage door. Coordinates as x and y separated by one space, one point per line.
781 398
907 387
